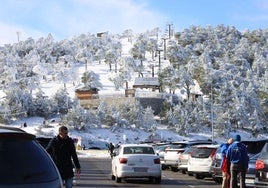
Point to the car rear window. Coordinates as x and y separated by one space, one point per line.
24 161
178 146
138 150
202 152
264 152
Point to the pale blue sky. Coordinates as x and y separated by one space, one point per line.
67 18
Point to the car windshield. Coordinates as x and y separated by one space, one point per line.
24 161
138 150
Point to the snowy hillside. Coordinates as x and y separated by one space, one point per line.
229 92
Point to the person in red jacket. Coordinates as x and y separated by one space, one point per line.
63 152
224 164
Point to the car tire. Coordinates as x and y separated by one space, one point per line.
117 179
158 180
164 167
190 173
217 180
174 169
198 176
113 177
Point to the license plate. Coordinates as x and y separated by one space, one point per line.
140 169
249 181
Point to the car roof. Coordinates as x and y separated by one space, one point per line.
192 141
15 132
8 129
136 145
206 145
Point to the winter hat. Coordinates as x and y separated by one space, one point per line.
237 138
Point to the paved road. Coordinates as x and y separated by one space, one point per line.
96 173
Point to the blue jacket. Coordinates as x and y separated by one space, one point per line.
224 148
237 154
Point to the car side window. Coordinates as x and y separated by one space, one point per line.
127 150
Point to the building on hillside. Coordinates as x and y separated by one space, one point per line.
146 83
88 98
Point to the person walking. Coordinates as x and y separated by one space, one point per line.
237 155
111 149
224 164
63 152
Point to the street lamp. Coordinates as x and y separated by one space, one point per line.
212 121
211 105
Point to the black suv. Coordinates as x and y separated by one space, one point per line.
261 179
24 162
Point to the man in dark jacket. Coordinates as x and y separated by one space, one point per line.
237 155
62 150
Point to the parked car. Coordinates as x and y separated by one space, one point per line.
183 159
261 179
171 155
136 161
200 160
160 150
250 175
254 147
24 162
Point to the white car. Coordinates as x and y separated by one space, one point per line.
136 161
200 160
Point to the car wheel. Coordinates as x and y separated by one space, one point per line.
190 174
117 179
217 180
198 176
174 169
113 177
183 172
158 180
164 167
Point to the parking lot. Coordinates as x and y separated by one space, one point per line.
96 172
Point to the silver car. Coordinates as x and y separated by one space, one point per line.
136 161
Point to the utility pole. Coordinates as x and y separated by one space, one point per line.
159 59
165 48
169 30
18 35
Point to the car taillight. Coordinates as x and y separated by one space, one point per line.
123 160
259 165
212 155
157 161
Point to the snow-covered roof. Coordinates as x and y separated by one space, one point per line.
146 82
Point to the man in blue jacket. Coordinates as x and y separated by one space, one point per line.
237 155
